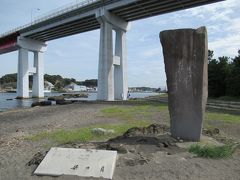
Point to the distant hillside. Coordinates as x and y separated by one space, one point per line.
10 81
8 78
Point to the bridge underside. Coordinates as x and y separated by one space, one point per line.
129 12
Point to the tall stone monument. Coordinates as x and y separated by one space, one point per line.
186 56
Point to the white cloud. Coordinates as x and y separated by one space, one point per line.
152 52
214 8
226 46
151 73
222 15
234 25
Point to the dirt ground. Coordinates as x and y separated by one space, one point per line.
145 161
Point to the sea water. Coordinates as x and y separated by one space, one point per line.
8 100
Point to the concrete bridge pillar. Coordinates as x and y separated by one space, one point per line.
112 67
37 47
38 76
105 64
22 76
120 66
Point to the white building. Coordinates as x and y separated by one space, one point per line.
75 87
48 86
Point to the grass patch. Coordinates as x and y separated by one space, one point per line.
84 134
132 116
210 151
132 113
223 117
163 95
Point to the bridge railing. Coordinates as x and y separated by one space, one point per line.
62 10
54 13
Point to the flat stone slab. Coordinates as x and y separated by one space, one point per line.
79 162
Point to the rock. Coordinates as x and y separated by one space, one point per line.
132 151
101 131
117 147
53 102
19 130
183 159
152 129
81 95
37 159
179 140
136 161
211 132
9 99
156 129
63 102
186 58
130 162
143 161
42 103
135 131
56 98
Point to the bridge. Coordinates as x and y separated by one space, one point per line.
88 15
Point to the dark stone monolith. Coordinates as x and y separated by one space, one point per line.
185 54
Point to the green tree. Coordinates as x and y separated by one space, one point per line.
53 78
212 71
90 83
233 84
210 55
218 73
67 81
58 86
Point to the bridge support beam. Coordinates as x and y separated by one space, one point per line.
112 68
37 48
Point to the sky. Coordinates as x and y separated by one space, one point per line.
77 56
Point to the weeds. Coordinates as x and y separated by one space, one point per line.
214 152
